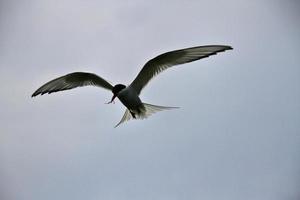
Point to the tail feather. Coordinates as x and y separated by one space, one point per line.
148 110
126 117
151 109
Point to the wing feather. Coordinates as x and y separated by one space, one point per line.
72 80
172 58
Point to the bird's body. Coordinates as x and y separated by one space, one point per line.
131 101
129 95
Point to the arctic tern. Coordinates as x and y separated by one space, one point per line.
129 95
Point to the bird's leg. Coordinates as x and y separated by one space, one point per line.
133 115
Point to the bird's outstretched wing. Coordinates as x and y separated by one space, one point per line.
172 58
72 80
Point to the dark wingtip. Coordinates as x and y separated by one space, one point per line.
35 94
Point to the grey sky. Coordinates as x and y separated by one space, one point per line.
236 135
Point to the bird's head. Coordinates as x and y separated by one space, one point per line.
116 89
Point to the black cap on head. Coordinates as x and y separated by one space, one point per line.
117 88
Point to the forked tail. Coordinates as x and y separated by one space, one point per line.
149 110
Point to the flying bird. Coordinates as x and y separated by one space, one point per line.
129 95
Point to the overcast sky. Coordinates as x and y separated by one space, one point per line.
237 132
